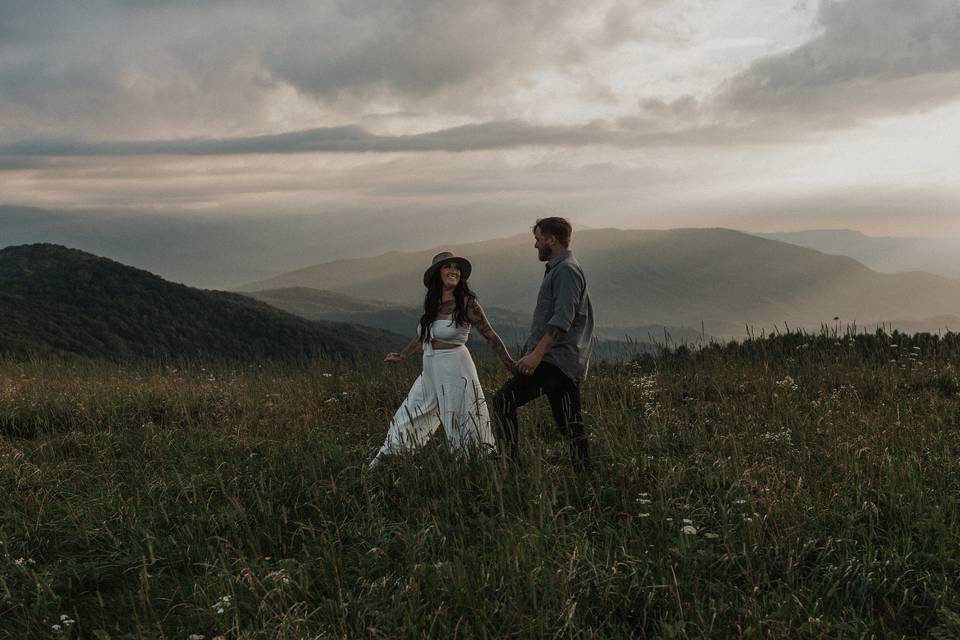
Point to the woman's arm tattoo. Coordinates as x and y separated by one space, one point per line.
479 319
412 347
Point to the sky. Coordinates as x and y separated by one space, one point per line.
475 118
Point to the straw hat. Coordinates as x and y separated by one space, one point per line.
443 258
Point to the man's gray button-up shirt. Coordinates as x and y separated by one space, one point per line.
564 302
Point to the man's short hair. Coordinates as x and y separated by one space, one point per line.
559 228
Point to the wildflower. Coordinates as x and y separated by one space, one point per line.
644 515
222 604
66 620
56 628
776 437
644 501
688 530
648 393
280 576
787 383
740 501
711 536
687 521
327 375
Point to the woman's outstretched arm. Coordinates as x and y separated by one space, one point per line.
479 319
412 347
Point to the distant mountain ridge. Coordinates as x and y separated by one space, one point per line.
887 254
59 300
681 277
512 326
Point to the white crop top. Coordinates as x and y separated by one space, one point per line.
447 331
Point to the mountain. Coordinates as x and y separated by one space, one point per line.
886 254
512 326
680 277
221 248
59 300
336 307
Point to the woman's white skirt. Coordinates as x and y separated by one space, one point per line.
447 392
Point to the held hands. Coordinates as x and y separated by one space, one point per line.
528 364
393 358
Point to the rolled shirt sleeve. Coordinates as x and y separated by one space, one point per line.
569 290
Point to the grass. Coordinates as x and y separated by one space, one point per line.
791 486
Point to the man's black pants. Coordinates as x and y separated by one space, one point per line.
564 396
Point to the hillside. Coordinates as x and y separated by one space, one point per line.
59 300
512 326
882 253
680 277
793 487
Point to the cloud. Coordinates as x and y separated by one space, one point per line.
115 69
351 139
872 58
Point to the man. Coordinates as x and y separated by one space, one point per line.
557 353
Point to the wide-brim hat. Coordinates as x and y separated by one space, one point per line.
443 258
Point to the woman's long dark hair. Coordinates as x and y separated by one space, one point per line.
431 304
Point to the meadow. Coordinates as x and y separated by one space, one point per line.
793 486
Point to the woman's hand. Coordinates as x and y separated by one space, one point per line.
393 358
511 366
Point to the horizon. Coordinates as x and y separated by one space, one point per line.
762 117
931 254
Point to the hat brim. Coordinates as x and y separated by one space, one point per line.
463 263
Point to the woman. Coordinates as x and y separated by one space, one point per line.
448 391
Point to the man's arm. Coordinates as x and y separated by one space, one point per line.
529 363
567 294
479 319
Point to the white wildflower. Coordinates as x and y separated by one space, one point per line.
648 392
711 536
787 383
776 437
222 604
688 530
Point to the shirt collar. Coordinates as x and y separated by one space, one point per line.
554 261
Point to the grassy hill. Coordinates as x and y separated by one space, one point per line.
59 300
680 277
795 487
